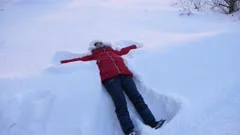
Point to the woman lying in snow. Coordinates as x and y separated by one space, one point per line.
116 78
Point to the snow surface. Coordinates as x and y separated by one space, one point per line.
188 70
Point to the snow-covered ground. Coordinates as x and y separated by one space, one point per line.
188 70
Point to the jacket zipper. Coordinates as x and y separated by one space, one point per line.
113 62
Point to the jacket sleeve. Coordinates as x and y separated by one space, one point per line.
85 58
125 50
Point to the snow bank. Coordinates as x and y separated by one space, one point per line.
187 74
105 120
70 104
69 99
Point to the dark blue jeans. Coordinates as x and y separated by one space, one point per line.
123 83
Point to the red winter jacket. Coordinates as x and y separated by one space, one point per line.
109 61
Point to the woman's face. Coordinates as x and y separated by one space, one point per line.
98 45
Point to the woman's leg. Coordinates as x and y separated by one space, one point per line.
131 90
113 87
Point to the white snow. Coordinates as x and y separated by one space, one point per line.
188 70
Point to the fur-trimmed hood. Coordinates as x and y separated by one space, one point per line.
92 47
